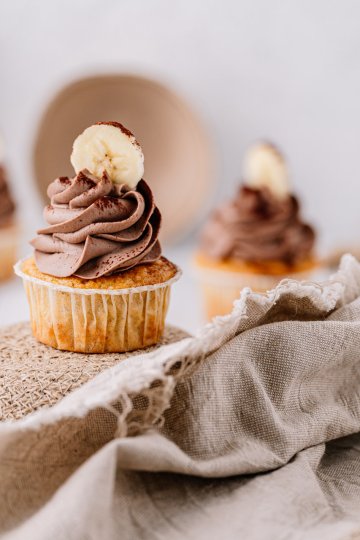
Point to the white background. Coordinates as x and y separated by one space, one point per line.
284 70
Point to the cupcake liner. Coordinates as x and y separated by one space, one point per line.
96 320
221 288
9 243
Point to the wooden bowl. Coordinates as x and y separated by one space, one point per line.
179 159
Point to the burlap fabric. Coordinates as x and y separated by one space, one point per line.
33 375
248 430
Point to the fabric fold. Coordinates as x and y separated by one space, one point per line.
248 429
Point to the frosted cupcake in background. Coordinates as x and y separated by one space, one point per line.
9 233
257 238
97 282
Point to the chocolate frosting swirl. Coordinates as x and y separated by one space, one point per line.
97 228
257 226
7 206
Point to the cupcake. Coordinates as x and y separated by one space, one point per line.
97 281
8 228
257 238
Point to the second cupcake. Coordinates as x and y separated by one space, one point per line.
257 238
97 281
9 228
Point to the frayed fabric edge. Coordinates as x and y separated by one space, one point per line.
167 365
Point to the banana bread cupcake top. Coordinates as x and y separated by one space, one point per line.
141 275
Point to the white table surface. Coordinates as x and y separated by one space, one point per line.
185 306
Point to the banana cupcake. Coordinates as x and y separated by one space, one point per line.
9 232
97 281
256 239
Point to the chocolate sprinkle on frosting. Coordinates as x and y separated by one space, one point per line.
97 228
256 226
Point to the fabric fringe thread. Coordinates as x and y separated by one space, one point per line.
139 390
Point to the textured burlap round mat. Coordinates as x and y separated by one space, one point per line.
33 375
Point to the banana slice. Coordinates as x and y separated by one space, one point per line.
110 147
264 166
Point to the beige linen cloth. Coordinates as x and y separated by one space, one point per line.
250 430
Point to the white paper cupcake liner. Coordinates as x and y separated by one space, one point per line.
9 243
221 288
96 320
